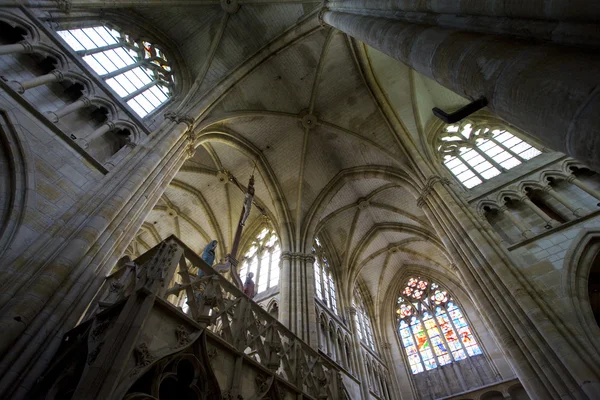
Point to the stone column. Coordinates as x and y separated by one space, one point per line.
523 228
550 222
21 47
356 348
297 291
83 102
105 128
58 274
119 156
577 211
591 191
525 325
54 76
507 72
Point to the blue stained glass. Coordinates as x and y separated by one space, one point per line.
428 325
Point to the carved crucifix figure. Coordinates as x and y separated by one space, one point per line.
231 259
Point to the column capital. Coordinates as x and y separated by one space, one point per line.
547 189
571 178
351 310
428 188
291 255
64 5
58 74
27 46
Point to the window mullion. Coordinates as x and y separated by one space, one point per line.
490 159
123 70
444 336
412 334
83 53
431 344
471 168
140 91
457 334
269 270
509 151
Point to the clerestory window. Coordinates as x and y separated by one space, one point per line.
324 284
433 329
475 153
262 259
136 70
363 322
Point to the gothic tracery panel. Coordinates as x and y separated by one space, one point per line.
433 329
262 260
136 70
477 152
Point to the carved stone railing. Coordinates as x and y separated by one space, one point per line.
223 331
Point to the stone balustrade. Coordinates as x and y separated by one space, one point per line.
136 328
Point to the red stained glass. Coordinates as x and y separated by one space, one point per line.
438 332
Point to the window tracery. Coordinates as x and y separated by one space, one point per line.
475 153
363 322
262 259
136 70
324 284
433 329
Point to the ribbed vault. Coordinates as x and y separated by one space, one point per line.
305 118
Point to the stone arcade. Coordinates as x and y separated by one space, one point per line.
393 256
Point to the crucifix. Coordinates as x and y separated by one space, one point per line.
231 261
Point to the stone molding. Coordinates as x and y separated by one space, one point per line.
290 255
428 188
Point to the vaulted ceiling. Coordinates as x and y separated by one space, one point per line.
307 119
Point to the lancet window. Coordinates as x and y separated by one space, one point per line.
475 153
135 69
324 284
363 322
262 259
433 329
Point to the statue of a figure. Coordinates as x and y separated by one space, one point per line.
248 201
249 285
208 255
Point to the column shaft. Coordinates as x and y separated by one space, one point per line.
298 296
22 47
577 211
68 109
591 191
524 229
54 76
547 219
507 72
65 269
549 10
362 373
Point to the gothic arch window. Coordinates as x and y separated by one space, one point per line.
262 259
477 152
363 322
433 329
135 69
324 284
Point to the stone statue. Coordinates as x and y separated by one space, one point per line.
208 255
248 201
249 285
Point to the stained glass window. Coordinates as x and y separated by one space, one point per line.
136 70
433 329
324 284
262 259
363 322
475 153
